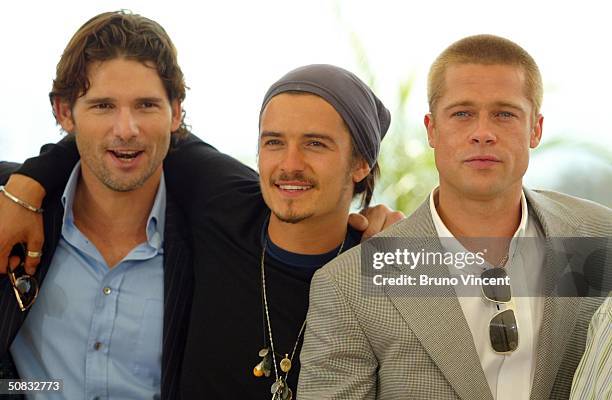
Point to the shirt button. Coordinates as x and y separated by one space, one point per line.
97 346
107 290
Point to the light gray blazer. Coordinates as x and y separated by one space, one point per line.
406 347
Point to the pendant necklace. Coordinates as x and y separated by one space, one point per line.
280 389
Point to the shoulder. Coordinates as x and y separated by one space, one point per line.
192 152
563 203
6 169
342 267
584 215
347 266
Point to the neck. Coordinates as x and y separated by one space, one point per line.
498 216
311 236
114 221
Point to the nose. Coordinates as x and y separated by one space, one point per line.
483 132
125 125
293 159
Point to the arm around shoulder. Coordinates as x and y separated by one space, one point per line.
53 166
197 173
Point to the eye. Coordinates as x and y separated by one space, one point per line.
272 142
102 106
148 104
461 114
506 114
316 143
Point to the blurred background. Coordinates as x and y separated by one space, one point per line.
231 51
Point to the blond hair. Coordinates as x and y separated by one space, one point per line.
486 50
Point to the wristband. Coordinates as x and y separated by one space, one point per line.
22 203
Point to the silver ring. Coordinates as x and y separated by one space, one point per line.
34 254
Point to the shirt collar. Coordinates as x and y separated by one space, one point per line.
307 261
156 221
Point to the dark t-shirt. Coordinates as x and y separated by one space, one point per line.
223 202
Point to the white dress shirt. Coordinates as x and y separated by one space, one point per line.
509 376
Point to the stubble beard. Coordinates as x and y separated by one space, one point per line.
117 185
102 172
293 217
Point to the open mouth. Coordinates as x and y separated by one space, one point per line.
125 155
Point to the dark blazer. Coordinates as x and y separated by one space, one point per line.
178 288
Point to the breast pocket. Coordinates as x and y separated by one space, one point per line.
149 342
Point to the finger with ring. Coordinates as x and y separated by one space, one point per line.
34 254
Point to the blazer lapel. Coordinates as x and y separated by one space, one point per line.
435 316
178 292
560 313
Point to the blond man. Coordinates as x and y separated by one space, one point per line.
370 341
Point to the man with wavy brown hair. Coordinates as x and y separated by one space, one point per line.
109 318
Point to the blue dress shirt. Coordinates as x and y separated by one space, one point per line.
98 329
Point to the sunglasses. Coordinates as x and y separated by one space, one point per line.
25 286
503 329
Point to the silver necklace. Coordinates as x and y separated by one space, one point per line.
280 389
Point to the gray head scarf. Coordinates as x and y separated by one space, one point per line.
365 115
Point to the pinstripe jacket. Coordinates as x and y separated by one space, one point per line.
178 289
383 346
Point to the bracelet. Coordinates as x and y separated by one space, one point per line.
19 201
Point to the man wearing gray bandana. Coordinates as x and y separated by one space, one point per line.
320 133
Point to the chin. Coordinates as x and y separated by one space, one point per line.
124 185
484 191
291 218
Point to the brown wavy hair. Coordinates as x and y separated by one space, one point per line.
113 35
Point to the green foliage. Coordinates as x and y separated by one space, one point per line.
406 161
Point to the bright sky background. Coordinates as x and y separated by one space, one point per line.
231 51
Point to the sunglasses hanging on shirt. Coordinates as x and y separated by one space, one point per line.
25 287
503 328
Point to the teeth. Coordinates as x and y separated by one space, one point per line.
292 187
125 154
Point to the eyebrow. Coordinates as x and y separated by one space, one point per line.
270 134
472 104
310 135
97 100
510 105
149 100
315 135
